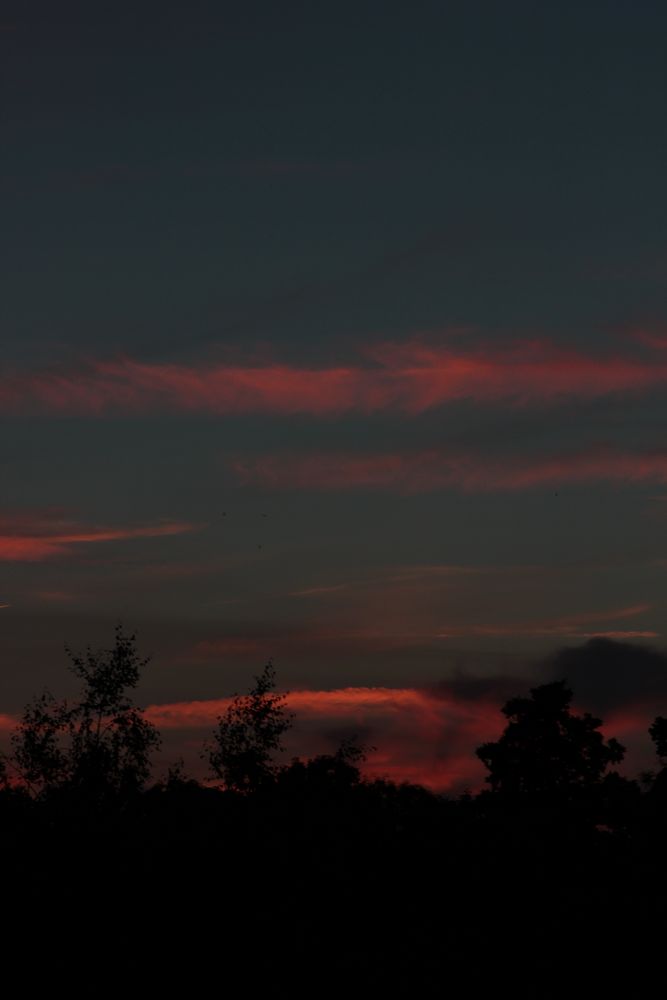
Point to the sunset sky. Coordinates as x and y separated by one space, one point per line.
336 334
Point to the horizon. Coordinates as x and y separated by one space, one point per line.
425 735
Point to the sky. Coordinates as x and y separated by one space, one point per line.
336 335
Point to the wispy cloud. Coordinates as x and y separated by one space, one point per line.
433 573
388 625
410 377
426 471
317 591
620 634
54 596
570 626
31 539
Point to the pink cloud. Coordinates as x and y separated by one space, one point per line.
23 539
410 377
425 471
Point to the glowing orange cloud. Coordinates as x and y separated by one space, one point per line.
333 704
425 471
22 542
409 377
423 738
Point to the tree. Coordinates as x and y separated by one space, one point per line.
248 734
656 781
546 751
99 744
658 733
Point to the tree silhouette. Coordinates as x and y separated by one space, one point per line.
247 736
546 751
658 733
656 781
98 744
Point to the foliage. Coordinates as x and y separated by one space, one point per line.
98 744
326 773
247 736
658 733
546 750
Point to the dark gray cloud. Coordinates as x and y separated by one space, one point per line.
609 675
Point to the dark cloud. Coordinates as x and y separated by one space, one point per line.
464 688
609 675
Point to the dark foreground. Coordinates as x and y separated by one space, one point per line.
324 881
306 878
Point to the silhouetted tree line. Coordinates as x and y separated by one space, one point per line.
311 875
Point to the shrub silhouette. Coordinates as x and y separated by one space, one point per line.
326 774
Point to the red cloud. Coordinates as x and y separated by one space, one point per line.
410 377
23 540
422 738
426 471
332 704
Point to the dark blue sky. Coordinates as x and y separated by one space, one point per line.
392 274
